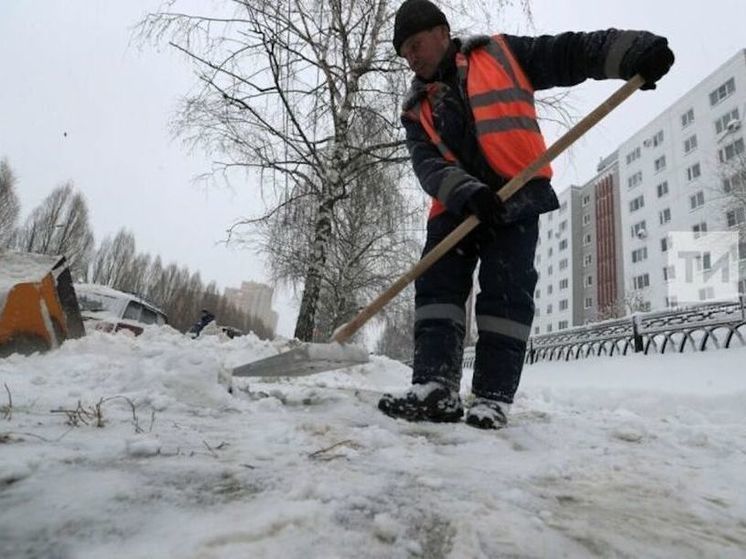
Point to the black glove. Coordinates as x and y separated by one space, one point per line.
486 205
654 63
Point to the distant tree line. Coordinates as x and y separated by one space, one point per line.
60 225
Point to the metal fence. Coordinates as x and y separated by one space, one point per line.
698 328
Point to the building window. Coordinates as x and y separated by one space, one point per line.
563 244
690 144
549 308
669 273
587 260
550 251
639 230
636 203
563 305
722 92
549 271
697 200
549 289
735 217
731 150
549 328
641 281
733 183
635 180
588 281
706 293
662 189
693 172
537 329
633 155
699 228
563 206
664 216
550 216
587 239
537 294
562 325
588 302
687 118
660 164
707 261
563 226
664 244
549 234
563 264
721 124
639 255
563 284
586 219
672 301
586 200
658 139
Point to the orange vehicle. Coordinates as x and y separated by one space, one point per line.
38 306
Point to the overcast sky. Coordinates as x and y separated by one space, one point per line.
67 67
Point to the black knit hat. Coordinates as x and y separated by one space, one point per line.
414 16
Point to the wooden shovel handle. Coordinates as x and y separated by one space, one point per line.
346 331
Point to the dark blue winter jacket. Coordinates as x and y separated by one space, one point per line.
548 61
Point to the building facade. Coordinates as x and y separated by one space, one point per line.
578 257
671 180
605 252
556 263
255 299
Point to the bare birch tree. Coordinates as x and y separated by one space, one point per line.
284 83
732 190
113 260
9 205
59 225
284 86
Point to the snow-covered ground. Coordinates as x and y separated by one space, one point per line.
624 457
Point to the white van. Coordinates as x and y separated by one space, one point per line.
110 310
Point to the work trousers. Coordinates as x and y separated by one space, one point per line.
504 306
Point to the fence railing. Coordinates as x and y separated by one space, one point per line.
710 326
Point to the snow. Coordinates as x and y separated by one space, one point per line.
613 457
22 268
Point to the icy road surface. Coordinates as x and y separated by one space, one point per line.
623 457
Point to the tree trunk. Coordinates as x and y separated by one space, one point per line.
305 326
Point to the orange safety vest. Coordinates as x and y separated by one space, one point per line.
501 99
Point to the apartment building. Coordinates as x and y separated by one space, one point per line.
604 253
672 175
255 299
555 261
600 242
579 254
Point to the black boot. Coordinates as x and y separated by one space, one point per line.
487 414
424 402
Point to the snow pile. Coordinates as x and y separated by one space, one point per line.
117 446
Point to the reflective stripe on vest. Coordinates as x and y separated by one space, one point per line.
501 99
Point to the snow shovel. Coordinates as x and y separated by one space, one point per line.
311 358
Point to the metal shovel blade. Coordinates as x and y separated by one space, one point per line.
303 360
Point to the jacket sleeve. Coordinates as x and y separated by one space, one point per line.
440 178
571 58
